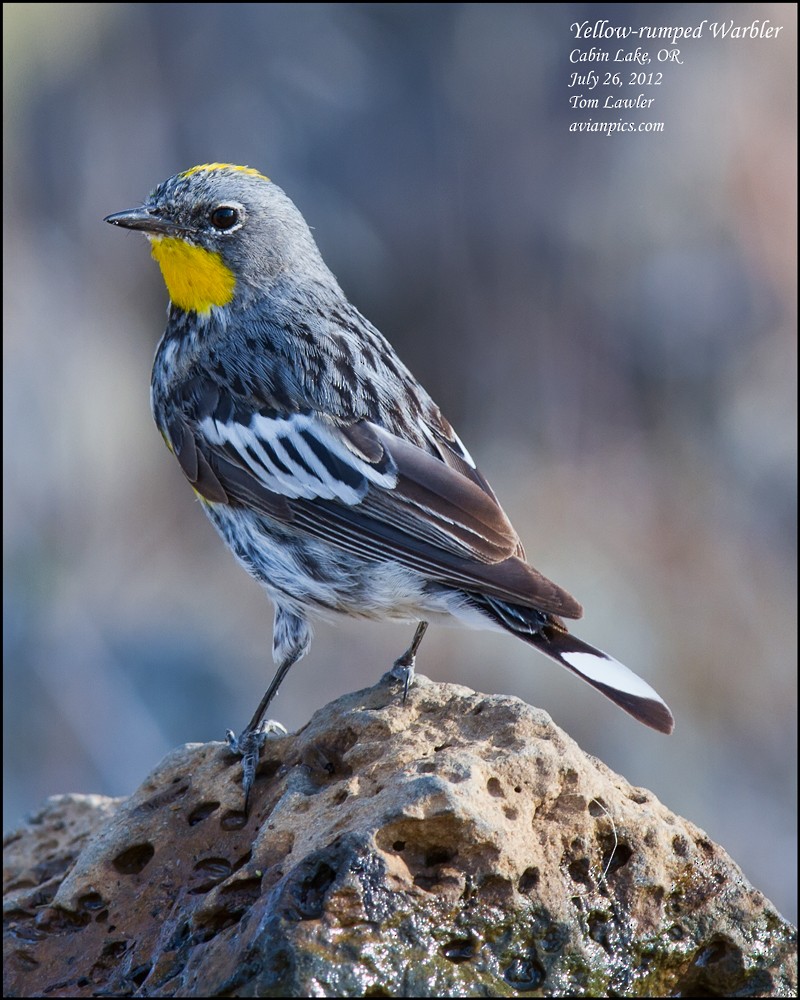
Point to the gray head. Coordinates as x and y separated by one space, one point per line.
223 234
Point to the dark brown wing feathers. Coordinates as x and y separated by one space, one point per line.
436 520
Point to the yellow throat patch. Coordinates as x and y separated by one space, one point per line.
196 279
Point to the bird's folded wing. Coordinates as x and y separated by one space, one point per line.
365 490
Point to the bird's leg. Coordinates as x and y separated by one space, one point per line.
291 639
403 667
249 744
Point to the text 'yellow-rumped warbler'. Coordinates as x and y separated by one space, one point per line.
321 461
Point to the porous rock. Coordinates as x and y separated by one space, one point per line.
454 845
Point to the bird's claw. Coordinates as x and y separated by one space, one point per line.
248 746
403 670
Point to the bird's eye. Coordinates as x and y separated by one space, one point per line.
225 217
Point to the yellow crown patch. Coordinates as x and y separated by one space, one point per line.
208 167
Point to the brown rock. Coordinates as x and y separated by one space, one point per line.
457 845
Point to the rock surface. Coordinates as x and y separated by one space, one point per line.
457 845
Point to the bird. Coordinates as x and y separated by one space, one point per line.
322 462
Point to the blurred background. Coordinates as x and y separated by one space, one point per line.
610 324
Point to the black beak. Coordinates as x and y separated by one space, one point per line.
145 221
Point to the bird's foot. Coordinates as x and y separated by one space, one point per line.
248 746
403 668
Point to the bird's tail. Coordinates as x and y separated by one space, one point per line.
609 676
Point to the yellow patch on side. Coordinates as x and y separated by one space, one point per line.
196 279
223 166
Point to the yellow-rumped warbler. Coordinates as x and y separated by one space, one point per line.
321 461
